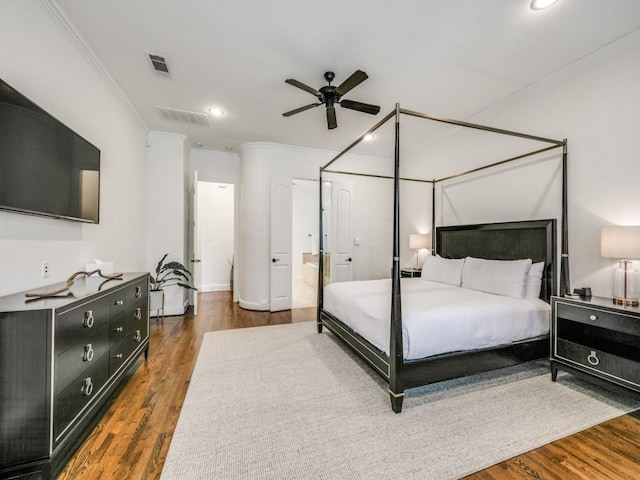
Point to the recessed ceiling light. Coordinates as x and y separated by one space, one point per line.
368 137
216 111
540 4
228 149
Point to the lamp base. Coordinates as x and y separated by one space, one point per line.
626 301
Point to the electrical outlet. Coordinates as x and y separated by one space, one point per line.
45 269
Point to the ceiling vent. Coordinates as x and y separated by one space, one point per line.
159 63
192 118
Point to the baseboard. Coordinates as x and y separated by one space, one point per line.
215 287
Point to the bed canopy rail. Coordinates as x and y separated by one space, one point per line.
397 383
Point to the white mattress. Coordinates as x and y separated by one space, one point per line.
436 318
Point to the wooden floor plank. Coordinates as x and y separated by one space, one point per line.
131 441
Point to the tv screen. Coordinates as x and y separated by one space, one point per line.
45 167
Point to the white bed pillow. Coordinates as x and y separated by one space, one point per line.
502 277
443 270
534 281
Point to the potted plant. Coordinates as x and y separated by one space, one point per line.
167 274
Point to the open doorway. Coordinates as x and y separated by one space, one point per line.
215 222
305 243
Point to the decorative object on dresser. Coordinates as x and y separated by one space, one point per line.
62 359
418 242
70 282
623 243
595 338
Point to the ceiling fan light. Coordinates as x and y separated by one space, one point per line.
216 111
368 137
541 4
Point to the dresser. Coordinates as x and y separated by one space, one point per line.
62 359
596 338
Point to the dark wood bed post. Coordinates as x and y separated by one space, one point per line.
433 217
565 283
320 260
396 388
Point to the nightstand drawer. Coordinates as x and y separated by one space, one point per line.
600 318
621 369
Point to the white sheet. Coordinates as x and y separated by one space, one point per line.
436 318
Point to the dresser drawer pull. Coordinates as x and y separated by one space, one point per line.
138 291
118 329
88 353
117 355
593 358
593 317
87 388
119 302
138 314
88 319
138 336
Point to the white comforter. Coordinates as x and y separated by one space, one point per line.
436 318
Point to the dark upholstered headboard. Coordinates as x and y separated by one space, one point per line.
534 239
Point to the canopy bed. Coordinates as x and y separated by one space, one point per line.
389 330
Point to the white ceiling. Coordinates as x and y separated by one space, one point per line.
448 57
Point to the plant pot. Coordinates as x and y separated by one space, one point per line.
156 303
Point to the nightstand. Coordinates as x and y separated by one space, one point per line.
410 272
597 338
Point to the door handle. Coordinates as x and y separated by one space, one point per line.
349 259
274 260
195 260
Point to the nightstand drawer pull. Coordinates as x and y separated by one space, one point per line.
119 302
593 317
138 314
593 358
118 329
138 293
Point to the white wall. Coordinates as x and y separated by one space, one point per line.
167 215
595 105
44 64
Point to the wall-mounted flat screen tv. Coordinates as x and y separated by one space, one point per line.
45 167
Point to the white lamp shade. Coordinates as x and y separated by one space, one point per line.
620 242
418 241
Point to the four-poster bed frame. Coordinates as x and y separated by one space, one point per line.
529 239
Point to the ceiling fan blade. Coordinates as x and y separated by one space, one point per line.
304 87
359 106
353 81
331 118
301 109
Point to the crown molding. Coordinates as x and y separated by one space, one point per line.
53 10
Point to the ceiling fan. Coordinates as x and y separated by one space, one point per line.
329 95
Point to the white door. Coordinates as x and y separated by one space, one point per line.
195 248
341 232
281 215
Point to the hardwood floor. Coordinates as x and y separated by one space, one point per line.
132 439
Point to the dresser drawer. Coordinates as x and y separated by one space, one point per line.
118 302
78 323
119 328
121 352
618 368
72 400
598 317
73 361
137 292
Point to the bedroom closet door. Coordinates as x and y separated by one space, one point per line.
341 232
281 243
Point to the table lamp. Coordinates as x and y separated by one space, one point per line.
622 243
418 241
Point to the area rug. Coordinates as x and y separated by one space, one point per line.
284 402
